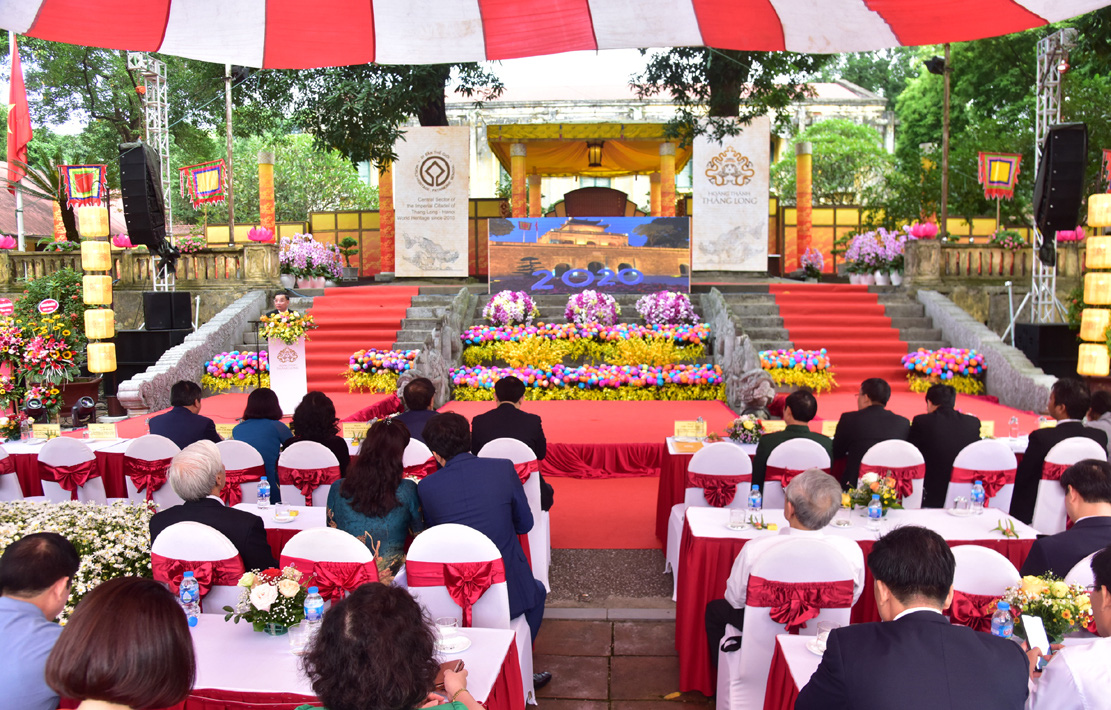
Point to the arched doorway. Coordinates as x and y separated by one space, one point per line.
595 266
561 269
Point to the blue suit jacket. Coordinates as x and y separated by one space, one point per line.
182 427
487 495
415 421
1057 554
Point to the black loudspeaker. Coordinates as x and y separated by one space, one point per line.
1052 347
141 187
146 346
165 310
1059 186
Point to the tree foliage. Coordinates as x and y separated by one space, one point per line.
884 71
847 158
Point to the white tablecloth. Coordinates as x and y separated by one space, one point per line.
308 516
801 662
749 449
34 446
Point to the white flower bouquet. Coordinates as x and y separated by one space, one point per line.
666 308
271 596
511 308
592 307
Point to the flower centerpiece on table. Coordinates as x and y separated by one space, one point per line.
666 308
592 307
812 263
1062 607
238 368
511 308
270 597
746 429
872 483
287 327
192 244
1008 239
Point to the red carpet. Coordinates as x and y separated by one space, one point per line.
352 319
604 514
850 324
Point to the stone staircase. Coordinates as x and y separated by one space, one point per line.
908 316
423 315
248 339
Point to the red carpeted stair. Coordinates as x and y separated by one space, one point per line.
351 319
850 324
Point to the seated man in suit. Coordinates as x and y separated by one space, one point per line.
858 431
811 500
798 409
183 424
418 396
915 659
940 434
281 305
1068 403
487 495
1087 487
508 420
197 475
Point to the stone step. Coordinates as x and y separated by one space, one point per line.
428 312
927 344
886 289
727 289
920 334
904 310
741 312
747 298
772 345
408 344
760 322
423 324
451 289
902 323
430 300
767 333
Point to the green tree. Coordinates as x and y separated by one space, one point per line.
847 158
884 71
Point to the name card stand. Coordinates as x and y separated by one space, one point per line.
46 431
690 429
103 431
224 430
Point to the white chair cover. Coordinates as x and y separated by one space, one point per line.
895 453
237 455
980 570
795 455
1049 508
309 455
327 545
9 482
984 455
1081 573
67 451
459 543
152 447
200 543
540 537
417 453
743 674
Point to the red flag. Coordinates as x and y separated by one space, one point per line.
19 120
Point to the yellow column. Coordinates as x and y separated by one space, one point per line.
667 179
59 225
386 220
804 202
519 194
266 190
654 194
534 207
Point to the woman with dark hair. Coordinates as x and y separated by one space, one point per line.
263 429
126 646
314 419
374 651
375 502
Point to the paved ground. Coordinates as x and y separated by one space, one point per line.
609 579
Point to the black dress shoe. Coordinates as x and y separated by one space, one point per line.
539 680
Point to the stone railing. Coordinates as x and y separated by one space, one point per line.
930 263
748 388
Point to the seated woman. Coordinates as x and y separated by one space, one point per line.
314 419
351 667
263 429
126 646
376 503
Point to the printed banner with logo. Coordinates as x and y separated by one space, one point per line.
729 227
431 181
85 185
204 183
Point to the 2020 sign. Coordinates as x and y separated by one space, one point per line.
581 278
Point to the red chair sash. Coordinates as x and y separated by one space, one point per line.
526 469
993 481
334 579
148 475
794 603
224 573
70 478
466 582
231 493
421 470
904 476
7 465
307 479
719 491
1053 471
972 610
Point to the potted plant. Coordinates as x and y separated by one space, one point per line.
812 263
348 247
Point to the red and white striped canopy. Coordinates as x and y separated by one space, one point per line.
296 34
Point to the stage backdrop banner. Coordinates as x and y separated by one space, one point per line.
549 255
430 182
288 376
730 222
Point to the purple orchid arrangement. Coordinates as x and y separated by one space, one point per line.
880 250
812 263
511 308
666 308
592 307
304 257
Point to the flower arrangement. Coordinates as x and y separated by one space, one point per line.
50 347
1008 239
812 263
287 327
592 307
799 368
666 308
880 250
871 483
271 596
11 424
237 369
960 367
192 243
1071 235
1062 607
510 308
112 540
681 334
304 257
375 370
596 382
67 323
746 429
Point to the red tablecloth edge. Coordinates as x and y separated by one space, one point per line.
781 692
110 464
603 460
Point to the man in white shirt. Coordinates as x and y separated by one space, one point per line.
810 502
1080 676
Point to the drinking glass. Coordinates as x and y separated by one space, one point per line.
298 639
738 519
824 627
281 512
962 504
448 626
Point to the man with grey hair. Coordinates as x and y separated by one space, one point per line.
811 500
197 475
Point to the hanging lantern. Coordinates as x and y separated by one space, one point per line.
100 323
97 256
102 357
92 222
1093 360
594 154
1097 288
97 290
1093 324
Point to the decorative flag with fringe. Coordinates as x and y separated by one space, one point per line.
1107 167
203 183
19 121
85 185
998 174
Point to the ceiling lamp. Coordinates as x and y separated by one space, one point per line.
594 154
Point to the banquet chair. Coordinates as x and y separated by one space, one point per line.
539 539
902 460
788 460
208 553
980 578
987 460
451 543
1049 506
68 458
719 460
1081 573
244 468
9 481
743 674
147 459
417 459
314 465
337 561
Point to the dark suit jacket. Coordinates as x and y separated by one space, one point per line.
768 442
919 662
511 423
245 530
415 420
858 431
1057 554
1029 472
182 427
940 436
487 495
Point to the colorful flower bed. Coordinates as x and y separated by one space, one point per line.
376 371
596 382
238 369
960 367
510 308
798 368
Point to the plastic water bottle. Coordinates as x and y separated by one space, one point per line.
976 497
189 594
1014 428
25 430
263 494
314 612
1002 623
755 500
875 512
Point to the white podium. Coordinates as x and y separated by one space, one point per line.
288 377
